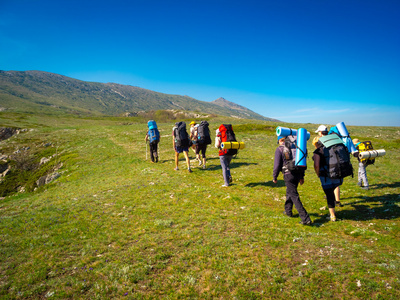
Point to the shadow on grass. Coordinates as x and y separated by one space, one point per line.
231 166
367 208
383 185
280 183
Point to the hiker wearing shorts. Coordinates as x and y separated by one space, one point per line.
184 148
292 181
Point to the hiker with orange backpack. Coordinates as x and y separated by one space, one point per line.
225 134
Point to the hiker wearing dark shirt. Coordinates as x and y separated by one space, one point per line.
292 181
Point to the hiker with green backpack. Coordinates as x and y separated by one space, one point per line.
331 164
181 143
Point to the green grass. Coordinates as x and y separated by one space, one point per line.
116 225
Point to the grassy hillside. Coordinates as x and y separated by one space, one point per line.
43 92
116 225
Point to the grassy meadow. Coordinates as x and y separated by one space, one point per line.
115 225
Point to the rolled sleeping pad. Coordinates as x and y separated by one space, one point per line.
301 151
152 124
284 131
232 145
346 137
371 154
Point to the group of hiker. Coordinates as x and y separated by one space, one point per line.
198 139
327 144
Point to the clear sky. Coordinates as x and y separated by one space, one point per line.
306 61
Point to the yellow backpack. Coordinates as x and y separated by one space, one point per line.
366 146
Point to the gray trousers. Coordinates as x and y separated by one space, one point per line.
362 174
226 172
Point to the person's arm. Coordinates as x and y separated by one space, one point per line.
147 137
278 163
317 162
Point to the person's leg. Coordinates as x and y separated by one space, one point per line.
151 152
203 153
224 165
337 196
176 159
155 152
292 197
363 174
186 154
330 199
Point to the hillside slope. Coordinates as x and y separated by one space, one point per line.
36 91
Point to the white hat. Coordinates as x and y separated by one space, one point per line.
321 128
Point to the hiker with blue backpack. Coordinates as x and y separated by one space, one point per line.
181 143
153 137
283 162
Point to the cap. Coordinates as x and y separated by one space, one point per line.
321 128
279 137
192 123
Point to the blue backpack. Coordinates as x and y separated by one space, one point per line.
153 133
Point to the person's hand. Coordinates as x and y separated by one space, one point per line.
301 181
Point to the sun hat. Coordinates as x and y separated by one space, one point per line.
192 123
321 128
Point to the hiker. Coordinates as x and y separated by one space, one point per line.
153 137
323 131
202 138
292 180
180 141
328 184
193 129
362 166
225 133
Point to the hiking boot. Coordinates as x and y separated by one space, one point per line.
204 167
308 223
230 179
224 185
338 204
365 187
359 183
176 169
190 170
290 216
333 218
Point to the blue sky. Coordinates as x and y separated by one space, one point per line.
305 61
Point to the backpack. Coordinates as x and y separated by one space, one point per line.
289 154
153 133
227 135
203 133
337 157
181 135
366 146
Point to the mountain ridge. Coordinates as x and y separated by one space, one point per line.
39 91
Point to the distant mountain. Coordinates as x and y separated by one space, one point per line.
37 91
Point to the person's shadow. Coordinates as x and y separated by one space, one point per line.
280 183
